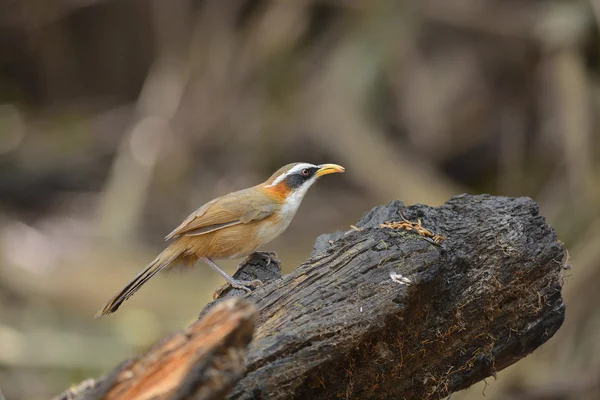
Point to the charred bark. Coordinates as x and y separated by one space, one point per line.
340 326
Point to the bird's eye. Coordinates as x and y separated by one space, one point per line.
305 172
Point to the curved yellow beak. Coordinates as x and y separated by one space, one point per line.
326 169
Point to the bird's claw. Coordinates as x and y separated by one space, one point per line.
245 285
238 284
267 256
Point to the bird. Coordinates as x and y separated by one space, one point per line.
231 226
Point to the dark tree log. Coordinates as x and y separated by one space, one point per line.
202 362
341 326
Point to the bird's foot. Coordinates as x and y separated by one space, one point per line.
266 256
245 285
237 284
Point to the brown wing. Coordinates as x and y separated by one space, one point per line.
232 209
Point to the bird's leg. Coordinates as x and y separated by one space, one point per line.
235 283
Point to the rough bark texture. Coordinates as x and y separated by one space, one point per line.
202 362
340 326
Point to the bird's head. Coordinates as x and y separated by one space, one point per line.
291 182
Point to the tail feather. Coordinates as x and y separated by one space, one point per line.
163 260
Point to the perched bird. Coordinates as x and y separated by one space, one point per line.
232 226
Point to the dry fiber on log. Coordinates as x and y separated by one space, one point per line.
378 312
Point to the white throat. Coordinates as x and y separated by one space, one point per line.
294 199
288 209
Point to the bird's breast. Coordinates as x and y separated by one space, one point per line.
276 224
273 226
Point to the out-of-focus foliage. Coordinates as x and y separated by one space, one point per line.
119 117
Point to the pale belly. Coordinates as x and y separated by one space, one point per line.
269 231
264 231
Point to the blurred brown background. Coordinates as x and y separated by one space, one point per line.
120 117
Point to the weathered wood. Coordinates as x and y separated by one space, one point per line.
340 326
202 362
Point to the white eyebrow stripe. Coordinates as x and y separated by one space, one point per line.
293 170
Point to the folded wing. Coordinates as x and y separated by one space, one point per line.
235 208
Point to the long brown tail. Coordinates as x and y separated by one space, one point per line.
163 260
